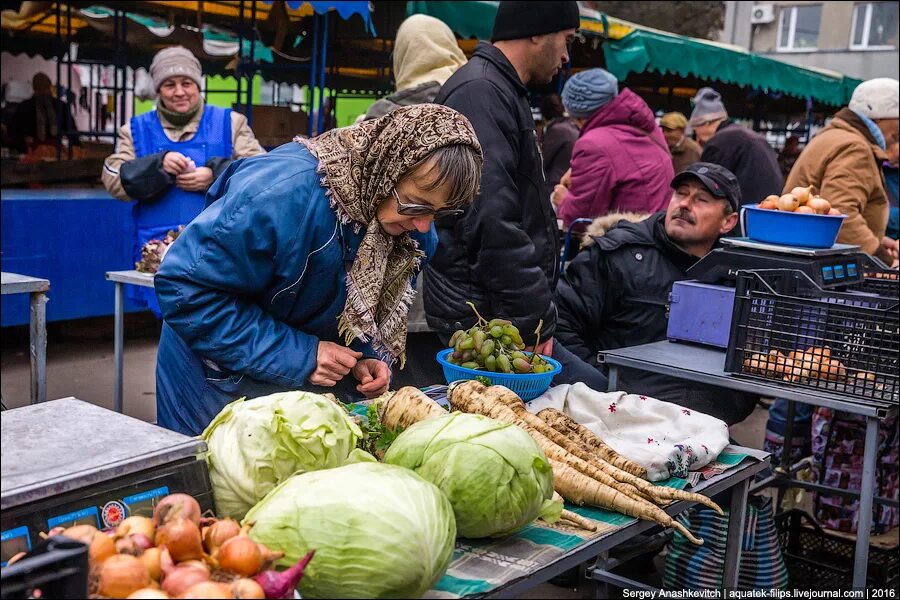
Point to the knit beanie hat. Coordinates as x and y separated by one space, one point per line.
877 98
588 91
517 20
708 106
175 61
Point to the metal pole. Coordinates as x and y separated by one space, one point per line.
312 75
734 542
613 382
323 40
60 119
239 70
38 350
867 491
59 59
119 344
252 65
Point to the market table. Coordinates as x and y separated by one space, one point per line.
36 288
121 278
707 366
507 567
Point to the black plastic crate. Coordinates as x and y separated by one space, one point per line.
878 278
783 311
819 560
55 568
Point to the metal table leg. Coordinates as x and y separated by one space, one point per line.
119 342
38 350
737 514
866 493
613 382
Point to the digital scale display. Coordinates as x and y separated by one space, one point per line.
109 515
12 542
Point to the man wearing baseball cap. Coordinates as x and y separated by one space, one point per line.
614 294
167 158
503 253
843 164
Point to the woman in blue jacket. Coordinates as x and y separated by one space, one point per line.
311 245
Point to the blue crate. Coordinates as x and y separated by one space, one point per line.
792 229
527 387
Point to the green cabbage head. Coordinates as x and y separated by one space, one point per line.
495 475
379 531
256 444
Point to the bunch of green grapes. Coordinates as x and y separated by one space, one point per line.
496 346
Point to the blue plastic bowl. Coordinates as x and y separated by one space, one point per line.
527 387
792 229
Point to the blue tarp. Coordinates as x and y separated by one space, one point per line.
71 237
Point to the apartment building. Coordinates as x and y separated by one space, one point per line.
859 39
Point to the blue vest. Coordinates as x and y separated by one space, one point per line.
176 207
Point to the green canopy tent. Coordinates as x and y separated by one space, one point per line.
667 69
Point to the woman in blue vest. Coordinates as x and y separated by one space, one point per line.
301 272
167 158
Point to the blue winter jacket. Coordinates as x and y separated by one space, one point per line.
253 284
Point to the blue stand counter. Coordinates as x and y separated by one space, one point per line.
71 237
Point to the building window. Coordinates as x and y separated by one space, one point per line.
875 26
798 28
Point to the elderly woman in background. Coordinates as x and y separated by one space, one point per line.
301 270
167 158
425 56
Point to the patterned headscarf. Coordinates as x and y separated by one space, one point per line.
360 165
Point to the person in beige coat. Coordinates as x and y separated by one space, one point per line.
425 56
843 164
168 158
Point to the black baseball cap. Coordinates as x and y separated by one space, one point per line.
719 181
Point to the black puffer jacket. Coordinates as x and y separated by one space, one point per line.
503 253
749 156
614 295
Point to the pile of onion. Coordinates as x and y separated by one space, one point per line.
800 200
180 554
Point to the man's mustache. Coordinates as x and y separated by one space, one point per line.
683 214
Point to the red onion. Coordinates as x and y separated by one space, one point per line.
281 584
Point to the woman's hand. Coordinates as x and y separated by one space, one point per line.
333 362
197 180
559 193
174 163
373 375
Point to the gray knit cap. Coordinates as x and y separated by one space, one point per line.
588 91
708 106
175 61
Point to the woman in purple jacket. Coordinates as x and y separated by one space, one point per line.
621 162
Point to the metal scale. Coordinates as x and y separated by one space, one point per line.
700 309
68 462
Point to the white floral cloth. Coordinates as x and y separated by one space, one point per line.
666 439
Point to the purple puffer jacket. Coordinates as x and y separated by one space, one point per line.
616 165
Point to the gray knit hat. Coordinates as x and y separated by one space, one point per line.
175 61
708 106
588 91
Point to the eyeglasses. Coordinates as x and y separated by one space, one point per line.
423 210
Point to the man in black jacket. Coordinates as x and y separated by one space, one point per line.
745 153
503 253
614 294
